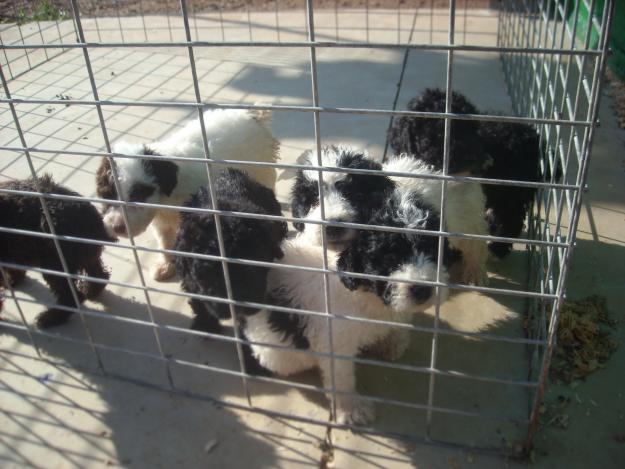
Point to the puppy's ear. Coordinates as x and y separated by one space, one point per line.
350 260
304 195
105 186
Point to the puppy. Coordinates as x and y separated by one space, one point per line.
515 153
232 134
356 197
493 150
464 211
389 300
244 238
70 218
425 137
348 197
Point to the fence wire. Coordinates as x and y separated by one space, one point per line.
552 62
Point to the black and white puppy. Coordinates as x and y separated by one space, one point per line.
70 218
348 197
464 211
232 134
357 197
244 238
403 255
397 256
493 150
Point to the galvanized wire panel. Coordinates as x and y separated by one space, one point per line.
552 62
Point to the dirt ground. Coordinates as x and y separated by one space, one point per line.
9 9
616 86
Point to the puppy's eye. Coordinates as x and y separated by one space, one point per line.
140 192
340 185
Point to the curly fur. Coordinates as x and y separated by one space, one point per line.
464 211
303 290
232 134
399 255
486 149
347 197
515 153
70 218
244 238
424 137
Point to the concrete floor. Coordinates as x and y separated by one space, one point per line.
55 416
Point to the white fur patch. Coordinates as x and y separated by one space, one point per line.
307 292
335 208
330 157
421 268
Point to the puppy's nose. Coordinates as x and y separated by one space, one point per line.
120 229
420 293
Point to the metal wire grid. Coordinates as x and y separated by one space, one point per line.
554 83
559 87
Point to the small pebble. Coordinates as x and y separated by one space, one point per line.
210 445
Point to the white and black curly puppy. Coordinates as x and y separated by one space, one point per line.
493 150
353 197
243 238
232 134
464 211
397 256
348 197
410 256
70 218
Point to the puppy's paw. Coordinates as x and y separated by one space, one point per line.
474 275
397 342
206 323
91 290
164 271
354 411
52 317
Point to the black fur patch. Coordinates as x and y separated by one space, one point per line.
365 193
164 172
140 192
515 153
424 137
244 238
304 196
291 326
383 253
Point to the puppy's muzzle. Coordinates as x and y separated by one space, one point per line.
120 229
421 293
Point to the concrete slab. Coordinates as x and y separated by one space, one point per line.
55 416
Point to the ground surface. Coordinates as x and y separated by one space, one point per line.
9 8
55 416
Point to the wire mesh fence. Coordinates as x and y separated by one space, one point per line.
80 77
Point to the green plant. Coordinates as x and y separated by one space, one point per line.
43 10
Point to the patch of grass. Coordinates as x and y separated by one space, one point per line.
42 10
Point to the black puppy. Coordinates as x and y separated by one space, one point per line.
515 155
244 238
493 150
425 137
70 218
